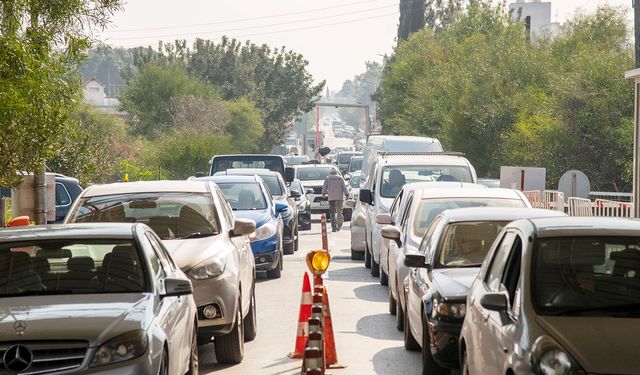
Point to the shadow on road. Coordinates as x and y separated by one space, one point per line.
372 292
379 326
348 274
207 359
392 361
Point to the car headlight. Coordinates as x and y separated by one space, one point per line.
548 358
263 232
450 310
121 348
208 269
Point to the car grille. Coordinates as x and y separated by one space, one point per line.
46 356
317 190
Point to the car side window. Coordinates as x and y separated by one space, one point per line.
165 262
511 273
405 214
225 209
428 237
62 195
156 266
395 206
494 275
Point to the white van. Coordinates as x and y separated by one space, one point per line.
395 143
388 173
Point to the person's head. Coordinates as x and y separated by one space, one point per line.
113 214
585 278
395 177
334 171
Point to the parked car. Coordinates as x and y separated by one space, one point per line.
117 304
358 241
388 173
205 240
250 198
344 158
295 159
280 193
448 259
355 165
402 215
556 295
271 162
67 190
303 204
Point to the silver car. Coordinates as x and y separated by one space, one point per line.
556 296
93 299
197 226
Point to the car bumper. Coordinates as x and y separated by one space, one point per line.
221 293
266 253
444 342
357 238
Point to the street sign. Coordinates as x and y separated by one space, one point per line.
523 178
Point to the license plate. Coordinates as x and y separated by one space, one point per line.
324 203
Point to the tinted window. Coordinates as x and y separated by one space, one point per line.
586 275
393 178
170 215
62 196
356 164
315 173
494 275
244 196
467 243
273 183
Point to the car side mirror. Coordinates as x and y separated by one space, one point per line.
416 261
243 227
280 207
295 193
494 302
384 219
391 232
177 287
366 196
289 174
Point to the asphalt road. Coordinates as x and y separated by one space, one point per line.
366 339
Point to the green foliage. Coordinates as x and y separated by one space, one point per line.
149 95
137 172
483 89
275 80
245 126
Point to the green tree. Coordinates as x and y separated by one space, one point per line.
41 45
245 126
150 92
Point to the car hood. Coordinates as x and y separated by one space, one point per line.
313 183
601 345
454 282
259 216
92 317
193 251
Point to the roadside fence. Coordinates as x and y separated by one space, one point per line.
554 200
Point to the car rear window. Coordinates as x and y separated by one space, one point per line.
313 173
244 196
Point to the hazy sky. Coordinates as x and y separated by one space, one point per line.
335 36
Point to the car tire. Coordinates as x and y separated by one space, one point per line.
367 257
296 244
194 364
393 305
429 364
229 348
410 342
307 226
399 317
289 248
164 363
251 321
356 255
347 214
276 273
384 279
375 268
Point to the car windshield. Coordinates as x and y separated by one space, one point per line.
313 173
70 266
355 181
273 184
244 196
393 178
356 164
586 276
170 215
344 158
428 209
467 243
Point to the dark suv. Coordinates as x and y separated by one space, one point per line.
67 190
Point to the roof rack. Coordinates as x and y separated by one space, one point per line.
446 153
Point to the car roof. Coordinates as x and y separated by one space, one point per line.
191 186
422 159
313 165
471 193
585 226
62 231
247 171
440 185
497 214
231 178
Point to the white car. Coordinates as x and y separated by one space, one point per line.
211 246
93 298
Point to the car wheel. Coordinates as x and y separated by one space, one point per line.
399 316
384 279
367 257
375 268
410 342
276 273
251 321
429 364
393 306
230 347
356 255
296 244
164 364
194 365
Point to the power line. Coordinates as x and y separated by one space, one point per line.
243 19
254 27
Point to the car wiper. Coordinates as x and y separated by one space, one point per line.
618 310
197 235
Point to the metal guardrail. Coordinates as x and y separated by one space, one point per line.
554 200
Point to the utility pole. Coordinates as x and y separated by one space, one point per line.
40 194
636 29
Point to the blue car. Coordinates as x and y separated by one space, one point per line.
250 199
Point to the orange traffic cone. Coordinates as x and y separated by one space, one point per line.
303 317
330 355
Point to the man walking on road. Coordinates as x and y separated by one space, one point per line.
336 189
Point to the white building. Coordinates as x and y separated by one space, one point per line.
95 95
536 15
